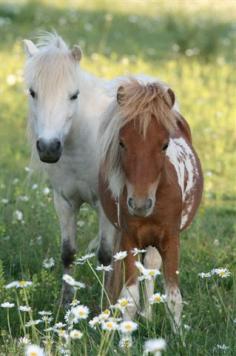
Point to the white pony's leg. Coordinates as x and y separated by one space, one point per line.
107 235
66 211
152 260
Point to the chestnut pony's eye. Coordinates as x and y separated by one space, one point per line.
32 93
75 95
165 146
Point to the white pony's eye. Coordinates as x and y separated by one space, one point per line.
32 93
75 95
121 143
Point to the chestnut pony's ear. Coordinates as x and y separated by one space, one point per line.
169 98
120 95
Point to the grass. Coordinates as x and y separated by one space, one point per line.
191 47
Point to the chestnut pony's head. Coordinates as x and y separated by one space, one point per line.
135 136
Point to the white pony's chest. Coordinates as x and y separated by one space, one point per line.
184 161
75 176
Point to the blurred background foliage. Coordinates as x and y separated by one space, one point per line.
189 44
192 46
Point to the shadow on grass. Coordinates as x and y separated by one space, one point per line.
115 35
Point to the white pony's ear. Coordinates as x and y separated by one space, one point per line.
76 52
30 48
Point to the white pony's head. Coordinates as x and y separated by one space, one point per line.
51 75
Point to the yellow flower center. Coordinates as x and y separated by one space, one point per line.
22 284
33 353
124 303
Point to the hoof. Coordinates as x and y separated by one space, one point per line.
104 257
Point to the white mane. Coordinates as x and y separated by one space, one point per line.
52 60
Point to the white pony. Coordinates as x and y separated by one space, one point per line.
66 107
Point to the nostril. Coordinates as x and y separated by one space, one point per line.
40 145
55 145
149 203
131 203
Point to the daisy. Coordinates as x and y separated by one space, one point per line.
74 302
147 274
140 267
62 333
19 215
154 346
120 255
33 322
24 340
48 262
204 275
23 198
127 327
45 313
109 325
104 315
123 303
83 259
34 350
7 305
104 268
76 334
19 284
137 251
80 312
59 325
46 191
72 282
221 272
157 298
94 322
126 342
24 308
80 223
222 347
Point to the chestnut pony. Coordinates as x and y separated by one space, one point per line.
150 187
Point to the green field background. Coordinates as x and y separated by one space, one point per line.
192 46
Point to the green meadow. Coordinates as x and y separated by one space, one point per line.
192 46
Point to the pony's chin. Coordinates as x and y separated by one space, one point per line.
49 160
140 214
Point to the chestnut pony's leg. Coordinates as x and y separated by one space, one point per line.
152 260
169 250
124 279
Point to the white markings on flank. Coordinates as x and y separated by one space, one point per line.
182 157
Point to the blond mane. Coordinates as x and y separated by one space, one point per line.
138 102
